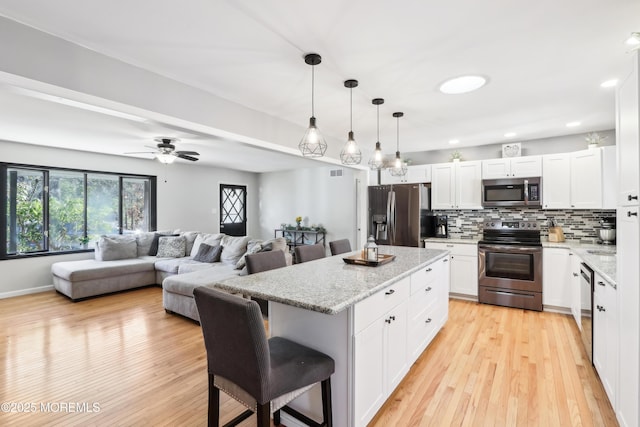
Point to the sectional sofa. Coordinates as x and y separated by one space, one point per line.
179 261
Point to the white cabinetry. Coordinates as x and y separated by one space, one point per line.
392 328
556 269
586 179
416 174
628 242
456 185
605 335
519 167
576 295
556 181
579 180
464 267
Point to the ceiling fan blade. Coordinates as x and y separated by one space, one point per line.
141 152
184 156
188 153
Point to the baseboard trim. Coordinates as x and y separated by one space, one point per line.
21 292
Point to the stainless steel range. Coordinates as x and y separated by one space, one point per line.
510 264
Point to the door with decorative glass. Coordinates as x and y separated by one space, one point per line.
233 216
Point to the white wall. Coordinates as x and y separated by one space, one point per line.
317 197
187 194
553 145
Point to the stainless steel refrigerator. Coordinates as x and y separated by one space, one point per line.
395 213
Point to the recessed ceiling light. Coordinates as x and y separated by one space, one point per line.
633 40
454 141
609 83
510 134
463 84
573 124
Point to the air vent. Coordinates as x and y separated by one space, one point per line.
336 172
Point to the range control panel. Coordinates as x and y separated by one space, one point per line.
492 224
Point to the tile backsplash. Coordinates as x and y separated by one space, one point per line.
576 224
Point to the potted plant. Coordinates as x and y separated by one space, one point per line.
298 221
456 156
594 139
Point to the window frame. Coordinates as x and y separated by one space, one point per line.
46 218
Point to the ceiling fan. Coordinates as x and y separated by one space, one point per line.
165 151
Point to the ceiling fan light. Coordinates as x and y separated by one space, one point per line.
165 158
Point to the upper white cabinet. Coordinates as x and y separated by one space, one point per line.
627 137
579 180
456 185
416 174
586 179
517 167
556 181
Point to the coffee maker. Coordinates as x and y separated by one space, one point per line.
441 226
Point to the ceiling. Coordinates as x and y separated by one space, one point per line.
544 62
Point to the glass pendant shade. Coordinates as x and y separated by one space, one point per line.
399 167
377 161
351 154
312 143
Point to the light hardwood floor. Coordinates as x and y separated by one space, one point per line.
489 366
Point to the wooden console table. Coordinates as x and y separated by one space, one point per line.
300 237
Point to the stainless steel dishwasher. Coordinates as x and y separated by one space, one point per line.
586 297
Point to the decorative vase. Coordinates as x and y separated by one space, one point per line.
298 226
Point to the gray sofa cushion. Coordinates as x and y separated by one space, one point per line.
144 241
89 269
208 253
184 284
111 248
233 247
190 237
171 247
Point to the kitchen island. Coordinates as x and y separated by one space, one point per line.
374 321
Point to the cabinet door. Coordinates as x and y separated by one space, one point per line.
464 275
599 331
526 167
418 174
369 393
556 270
496 168
387 178
469 185
586 179
443 186
628 136
396 346
612 350
628 271
576 296
556 181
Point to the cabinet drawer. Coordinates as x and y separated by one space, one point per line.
428 275
424 299
470 249
368 310
421 332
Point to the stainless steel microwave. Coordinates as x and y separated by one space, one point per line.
512 192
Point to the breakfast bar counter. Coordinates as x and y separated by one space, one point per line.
373 321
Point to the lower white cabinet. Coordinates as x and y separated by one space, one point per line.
464 266
556 272
605 335
392 329
576 291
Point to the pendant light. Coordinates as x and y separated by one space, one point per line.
350 154
312 143
377 162
399 167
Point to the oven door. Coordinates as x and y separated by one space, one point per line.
510 267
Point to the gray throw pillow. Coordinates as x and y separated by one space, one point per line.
171 247
153 248
208 253
111 248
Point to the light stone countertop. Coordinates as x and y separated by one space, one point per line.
603 264
452 239
329 285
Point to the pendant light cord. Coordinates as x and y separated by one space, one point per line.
351 109
378 123
398 134
313 68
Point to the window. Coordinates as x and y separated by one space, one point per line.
53 210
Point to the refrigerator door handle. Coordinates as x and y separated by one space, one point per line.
392 216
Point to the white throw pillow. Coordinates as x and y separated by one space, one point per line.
233 247
209 239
